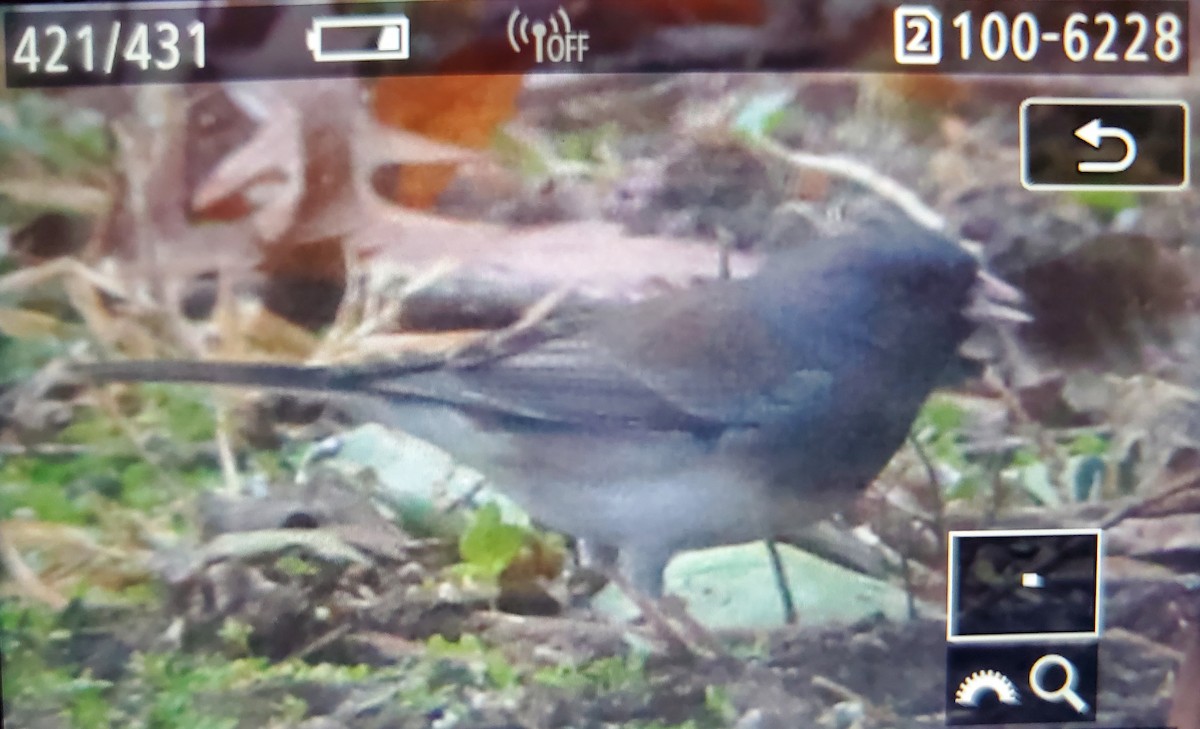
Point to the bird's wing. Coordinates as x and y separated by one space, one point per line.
566 382
711 354
666 377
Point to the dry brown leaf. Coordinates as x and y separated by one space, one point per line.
152 225
24 581
265 333
28 324
310 159
268 169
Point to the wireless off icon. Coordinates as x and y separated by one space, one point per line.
918 35
552 39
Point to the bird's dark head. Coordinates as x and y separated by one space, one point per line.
913 268
905 291
904 268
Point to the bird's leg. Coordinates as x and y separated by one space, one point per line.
655 617
640 578
595 565
604 558
645 590
664 614
781 582
595 555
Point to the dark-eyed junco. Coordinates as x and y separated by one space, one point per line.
729 412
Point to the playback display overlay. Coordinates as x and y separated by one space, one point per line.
56 45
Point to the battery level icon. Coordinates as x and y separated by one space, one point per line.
358 38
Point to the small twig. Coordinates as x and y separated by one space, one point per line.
1179 484
840 691
45 450
724 247
492 346
59 268
229 472
320 642
910 592
467 499
939 499
882 185
1185 705
511 628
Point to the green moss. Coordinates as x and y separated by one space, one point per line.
616 673
486 665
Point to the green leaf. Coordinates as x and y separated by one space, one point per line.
1035 480
942 413
1025 457
1107 201
1088 444
763 113
467 645
967 487
488 543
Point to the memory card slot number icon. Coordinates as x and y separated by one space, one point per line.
341 39
918 35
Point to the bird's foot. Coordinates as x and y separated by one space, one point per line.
698 637
671 623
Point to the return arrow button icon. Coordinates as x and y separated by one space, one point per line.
1094 133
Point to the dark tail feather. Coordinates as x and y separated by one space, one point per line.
237 374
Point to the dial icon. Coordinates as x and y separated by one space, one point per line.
974 687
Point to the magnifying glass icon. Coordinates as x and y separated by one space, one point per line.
1065 692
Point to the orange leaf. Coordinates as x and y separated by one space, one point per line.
463 110
684 12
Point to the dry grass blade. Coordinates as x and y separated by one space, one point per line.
58 194
26 580
493 345
369 309
60 268
27 324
